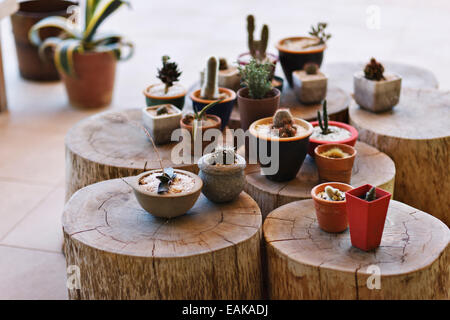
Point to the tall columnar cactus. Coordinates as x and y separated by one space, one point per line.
210 87
257 47
323 124
374 70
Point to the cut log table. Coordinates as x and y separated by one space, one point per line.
111 145
123 252
341 74
305 262
371 166
416 135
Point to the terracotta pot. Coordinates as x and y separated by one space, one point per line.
251 110
313 143
151 100
366 219
31 66
331 215
335 169
292 60
244 59
167 205
292 151
93 83
222 110
189 127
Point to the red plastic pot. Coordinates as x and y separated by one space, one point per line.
313 143
366 219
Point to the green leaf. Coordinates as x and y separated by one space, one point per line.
91 5
117 49
49 42
104 9
207 107
61 23
64 55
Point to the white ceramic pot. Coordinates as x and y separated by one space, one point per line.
309 88
161 127
377 96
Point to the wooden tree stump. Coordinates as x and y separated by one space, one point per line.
416 135
305 262
123 252
371 166
111 145
341 74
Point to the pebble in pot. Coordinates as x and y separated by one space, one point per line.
222 173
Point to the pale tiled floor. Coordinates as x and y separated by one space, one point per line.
32 133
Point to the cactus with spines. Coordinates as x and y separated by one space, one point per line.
256 77
257 47
374 70
210 87
311 68
371 194
323 124
284 123
334 194
223 155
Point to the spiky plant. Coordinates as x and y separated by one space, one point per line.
257 47
223 155
319 33
284 123
169 73
256 76
311 68
323 124
371 194
76 38
374 70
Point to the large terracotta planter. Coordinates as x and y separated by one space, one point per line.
335 169
31 66
331 215
313 143
93 83
292 151
366 219
251 110
292 60
222 109
217 125
176 100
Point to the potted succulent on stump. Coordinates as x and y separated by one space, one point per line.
326 131
376 90
210 91
257 51
222 173
166 92
330 203
161 121
258 99
295 52
85 59
367 207
310 84
335 162
291 134
229 76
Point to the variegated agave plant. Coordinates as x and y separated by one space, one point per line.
77 38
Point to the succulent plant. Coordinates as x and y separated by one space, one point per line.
161 110
374 70
371 194
283 122
334 194
210 87
166 179
257 47
319 32
335 153
198 116
223 155
323 124
169 73
223 64
256 77
311 68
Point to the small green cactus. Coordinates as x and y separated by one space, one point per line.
323 124
311 68
169 73
223 155
374 70
161 110
256 77
334 194
257 47
210 88
371 194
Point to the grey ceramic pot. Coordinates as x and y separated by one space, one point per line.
222 183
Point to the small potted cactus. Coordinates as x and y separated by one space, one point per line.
258 99
295 52
210 91
335 162
367 208
229 76
310 84
291 138
376 90
326 131
330 203
222 173
161 121
167 91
